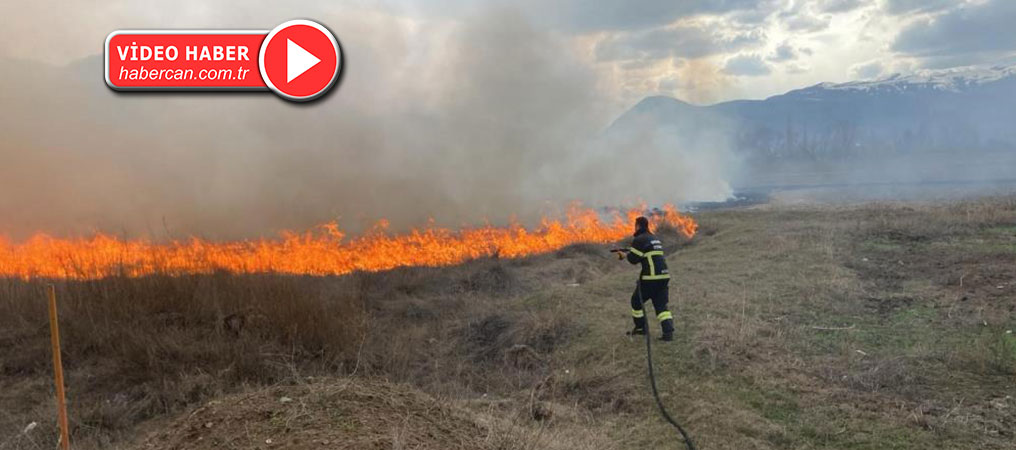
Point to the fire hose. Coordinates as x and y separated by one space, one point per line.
652 376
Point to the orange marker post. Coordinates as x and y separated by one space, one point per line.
61 402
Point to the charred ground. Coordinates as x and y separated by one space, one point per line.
803 326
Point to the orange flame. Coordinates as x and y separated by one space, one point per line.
322 251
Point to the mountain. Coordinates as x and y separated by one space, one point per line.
960 109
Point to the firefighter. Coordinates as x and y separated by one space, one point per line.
654 279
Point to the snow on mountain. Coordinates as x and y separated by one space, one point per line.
954 79
966 108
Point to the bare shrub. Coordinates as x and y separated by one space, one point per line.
882 374
493 279
135 348
581 250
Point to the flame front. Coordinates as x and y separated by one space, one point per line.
323 251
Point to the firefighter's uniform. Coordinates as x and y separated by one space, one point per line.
647 250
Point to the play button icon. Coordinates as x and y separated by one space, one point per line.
300 60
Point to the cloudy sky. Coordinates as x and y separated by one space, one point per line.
700 51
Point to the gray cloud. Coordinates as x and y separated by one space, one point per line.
916 6
746 65
840 6
801 18
795 69
973 32
807 23
966 59
867 70
751 17
585 16
597 15
785 52
689 42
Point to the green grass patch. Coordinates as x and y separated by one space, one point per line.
880 244
1001 230
773 404
999 344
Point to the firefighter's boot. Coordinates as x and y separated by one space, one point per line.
667 324
639 317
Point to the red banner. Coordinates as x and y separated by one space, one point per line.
184 59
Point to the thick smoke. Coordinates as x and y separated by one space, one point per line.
483 119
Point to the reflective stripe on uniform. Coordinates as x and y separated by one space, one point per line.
664 316
638 313
665 276
652 266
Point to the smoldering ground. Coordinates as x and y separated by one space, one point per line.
485 118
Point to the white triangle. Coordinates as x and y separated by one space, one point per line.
298 60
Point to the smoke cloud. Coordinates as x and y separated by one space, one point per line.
487 118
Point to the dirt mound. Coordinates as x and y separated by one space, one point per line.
349 413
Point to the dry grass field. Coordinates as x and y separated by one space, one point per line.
873 325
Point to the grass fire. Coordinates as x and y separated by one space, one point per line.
324 251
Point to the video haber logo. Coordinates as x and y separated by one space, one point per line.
299 60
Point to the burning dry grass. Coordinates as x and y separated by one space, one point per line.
324 251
